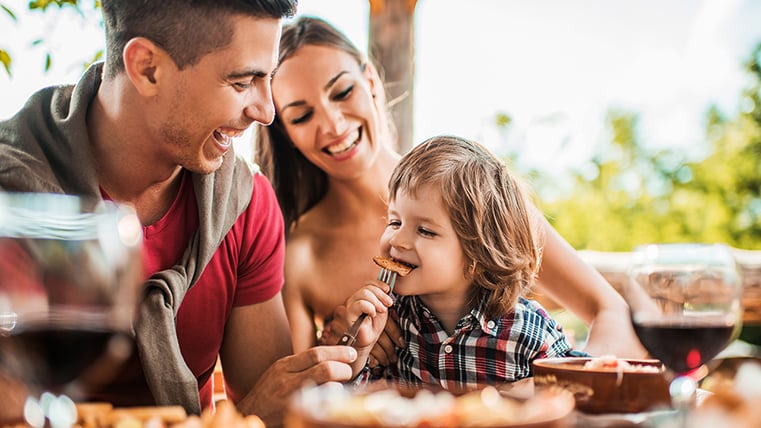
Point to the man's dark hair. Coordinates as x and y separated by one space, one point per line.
186 29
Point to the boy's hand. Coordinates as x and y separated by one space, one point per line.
372 299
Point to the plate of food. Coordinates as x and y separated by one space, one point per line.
607 384
392 406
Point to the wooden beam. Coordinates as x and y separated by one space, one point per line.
391 46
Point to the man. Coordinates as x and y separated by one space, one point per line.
153 127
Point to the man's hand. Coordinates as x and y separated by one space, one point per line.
317 365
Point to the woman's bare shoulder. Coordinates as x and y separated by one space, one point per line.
299 256
307 250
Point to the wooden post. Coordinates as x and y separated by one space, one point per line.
391 46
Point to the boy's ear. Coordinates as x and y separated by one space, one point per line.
142 60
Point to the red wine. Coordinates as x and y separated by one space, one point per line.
51 356
681 345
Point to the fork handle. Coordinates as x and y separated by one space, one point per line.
350 336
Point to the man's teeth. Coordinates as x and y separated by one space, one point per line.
227 135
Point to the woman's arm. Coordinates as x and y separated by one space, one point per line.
580 288
300 316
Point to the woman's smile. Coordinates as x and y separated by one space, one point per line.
345 144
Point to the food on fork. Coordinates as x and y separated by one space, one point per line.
393 265
390 269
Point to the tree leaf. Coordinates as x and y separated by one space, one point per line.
38 4
9 12
5 58
97 57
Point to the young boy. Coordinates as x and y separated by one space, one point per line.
461 220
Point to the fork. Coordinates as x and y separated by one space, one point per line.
385 275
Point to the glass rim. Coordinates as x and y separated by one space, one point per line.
63 216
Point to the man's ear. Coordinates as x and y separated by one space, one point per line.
142 58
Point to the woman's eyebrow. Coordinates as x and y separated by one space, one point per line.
327 86
293 104
333 80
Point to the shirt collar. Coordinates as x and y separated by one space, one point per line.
476 316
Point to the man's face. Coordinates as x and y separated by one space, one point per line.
204 106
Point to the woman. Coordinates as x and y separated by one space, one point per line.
330 153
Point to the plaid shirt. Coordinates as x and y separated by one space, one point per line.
480 351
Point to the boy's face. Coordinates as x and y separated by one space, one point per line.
420 232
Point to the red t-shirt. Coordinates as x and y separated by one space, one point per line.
246 269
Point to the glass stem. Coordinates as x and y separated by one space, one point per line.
682 391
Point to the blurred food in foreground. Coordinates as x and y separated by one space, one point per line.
104 415
337 407
734 402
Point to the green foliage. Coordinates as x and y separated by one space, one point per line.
96 57
503 120
44 4
5 59
43 7
634 195
8 12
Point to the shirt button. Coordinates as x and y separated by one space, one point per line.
448 349
490 324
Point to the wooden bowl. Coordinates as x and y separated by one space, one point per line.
394 407
606 390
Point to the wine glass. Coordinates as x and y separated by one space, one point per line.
70 276
685 302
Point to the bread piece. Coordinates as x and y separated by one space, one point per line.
392 265
227 415
167 414
93 415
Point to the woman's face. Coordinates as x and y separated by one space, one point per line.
324 98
